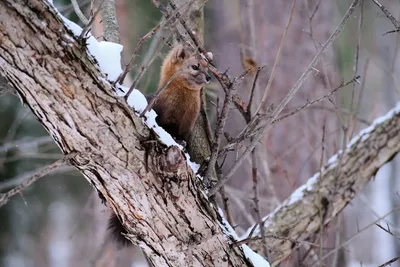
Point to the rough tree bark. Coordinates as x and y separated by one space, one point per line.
327 193
149 185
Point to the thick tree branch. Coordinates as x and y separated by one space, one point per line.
298 218
150 186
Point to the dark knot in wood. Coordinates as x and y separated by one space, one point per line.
173 160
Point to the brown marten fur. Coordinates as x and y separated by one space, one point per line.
177 107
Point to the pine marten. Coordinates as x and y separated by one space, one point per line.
177 107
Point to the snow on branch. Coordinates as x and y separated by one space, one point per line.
148 183
298 218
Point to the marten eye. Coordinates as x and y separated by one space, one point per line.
195 67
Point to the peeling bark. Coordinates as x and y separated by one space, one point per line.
327 193
149 185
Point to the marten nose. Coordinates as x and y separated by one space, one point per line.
208 78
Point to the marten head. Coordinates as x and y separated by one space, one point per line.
190 70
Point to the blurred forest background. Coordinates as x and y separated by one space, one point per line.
59 220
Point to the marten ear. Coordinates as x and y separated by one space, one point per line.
179 54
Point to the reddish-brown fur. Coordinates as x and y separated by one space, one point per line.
178 105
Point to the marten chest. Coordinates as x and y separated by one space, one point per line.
186 104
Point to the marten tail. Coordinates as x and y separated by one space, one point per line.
117 231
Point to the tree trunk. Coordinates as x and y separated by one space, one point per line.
149 185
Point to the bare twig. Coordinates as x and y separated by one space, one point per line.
253 89
22 144
355 79
129 67
395 23
79 13
265 124
4 198
351 124
147 36
357 234
220 127
143 69
278 56
226 206
93 15
389 262
14 181
193 36
320 200
66 10
344 111
158 93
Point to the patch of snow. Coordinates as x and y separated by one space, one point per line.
107 54
364 133
226 227
255 258
334 158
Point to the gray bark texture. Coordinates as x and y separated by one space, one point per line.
149 186
325 196
110 22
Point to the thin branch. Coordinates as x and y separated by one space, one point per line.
320 199
88 26
277 59
389 262
356 62
354 80
129 66
253 89
143 70
220 127
267 123
226 206
79 13
395 23
26 143
158 93
66 10
357 234
4 198
345 112
14 181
